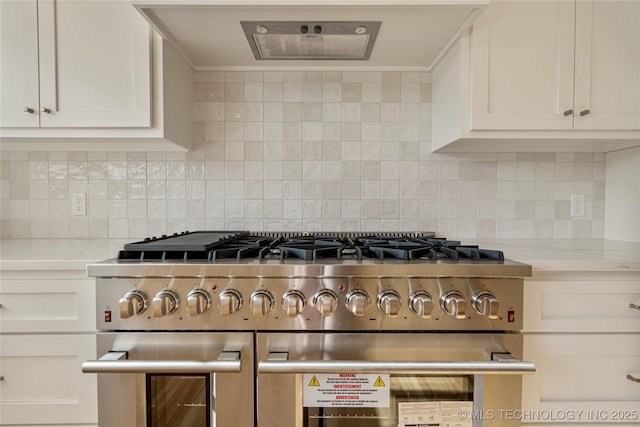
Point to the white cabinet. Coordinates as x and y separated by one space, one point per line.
522 61
19 67
582 305
42 379
607 65
583 334
89 75
47 321
554 74
75 64
584 372
52 305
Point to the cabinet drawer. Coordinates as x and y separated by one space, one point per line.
57 305
43 382
585 372
581 306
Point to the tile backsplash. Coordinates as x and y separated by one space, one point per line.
305 151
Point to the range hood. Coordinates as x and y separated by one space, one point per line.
245 34
316 40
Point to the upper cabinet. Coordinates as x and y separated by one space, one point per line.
522 62
85 74
607 65
19 100
78 64
542 75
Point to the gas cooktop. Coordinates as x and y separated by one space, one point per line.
229 246
274 276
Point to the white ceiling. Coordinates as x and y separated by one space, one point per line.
412 34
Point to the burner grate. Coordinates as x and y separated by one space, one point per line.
217 245
308 253
312 247
406 253
234 253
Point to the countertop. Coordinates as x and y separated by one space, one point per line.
56 254
571 254
543 255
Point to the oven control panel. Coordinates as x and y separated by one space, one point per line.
310 303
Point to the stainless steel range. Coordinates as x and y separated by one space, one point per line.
246 329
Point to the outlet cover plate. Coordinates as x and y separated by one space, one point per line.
577 204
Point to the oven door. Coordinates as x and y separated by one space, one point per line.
389 379
168 379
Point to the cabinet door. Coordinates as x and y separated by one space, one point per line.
522 66
582 305
583 372
607 80
51 305
43 382
19 63
94 64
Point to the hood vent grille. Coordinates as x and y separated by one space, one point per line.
295 40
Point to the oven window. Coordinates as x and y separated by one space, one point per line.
178 400
404 388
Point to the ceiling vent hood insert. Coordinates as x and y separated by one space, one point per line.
291 40
311 34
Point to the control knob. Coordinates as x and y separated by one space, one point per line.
357 302
164 303
261 303
325 302
293 303
229 302
421 303
453 303
389 302
198 301
486 304
133 303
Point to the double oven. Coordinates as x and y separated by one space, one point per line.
236 330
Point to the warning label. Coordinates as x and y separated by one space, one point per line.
379 382
346 390
314 382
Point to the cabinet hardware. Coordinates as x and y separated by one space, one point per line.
567 113
632 378
636 306
29 110
584 112
1 377
46 110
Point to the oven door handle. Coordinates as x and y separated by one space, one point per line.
116 362
502 363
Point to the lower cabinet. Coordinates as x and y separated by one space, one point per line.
583 378
43 383
583 334
47 325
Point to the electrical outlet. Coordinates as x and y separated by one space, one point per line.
577 204
78 204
